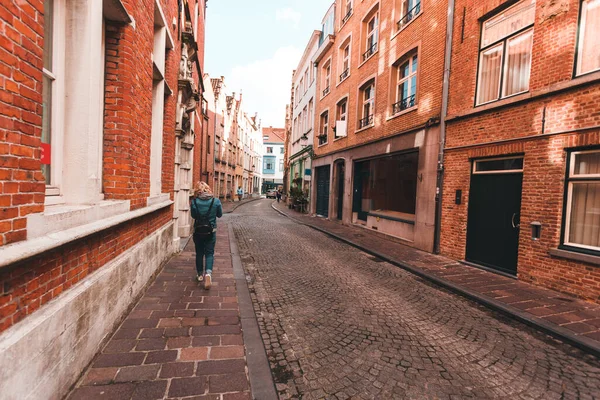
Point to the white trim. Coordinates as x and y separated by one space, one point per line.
497 171
12 253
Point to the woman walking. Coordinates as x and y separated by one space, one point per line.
205 209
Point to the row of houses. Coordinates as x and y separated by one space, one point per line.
107 119
462 127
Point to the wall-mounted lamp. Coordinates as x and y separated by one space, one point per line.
315 64
536 230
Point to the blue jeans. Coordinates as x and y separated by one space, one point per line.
205 247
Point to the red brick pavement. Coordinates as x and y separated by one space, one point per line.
178 341
547 309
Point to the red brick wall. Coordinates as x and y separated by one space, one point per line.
28 285
21 181
541 139
426 32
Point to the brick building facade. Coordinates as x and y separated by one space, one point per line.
237 142
101 136
379 86
522 154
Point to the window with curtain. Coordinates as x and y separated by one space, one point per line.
505 53
588 57
582 225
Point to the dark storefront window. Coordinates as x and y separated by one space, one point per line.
386 186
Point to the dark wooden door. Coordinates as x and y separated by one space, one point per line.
323 190
340 172
493 221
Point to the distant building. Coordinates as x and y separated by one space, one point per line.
273 158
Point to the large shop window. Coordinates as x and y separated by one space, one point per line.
582 225
588 57
505 55
387 186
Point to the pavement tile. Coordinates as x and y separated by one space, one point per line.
193 321
229 340
237 396
126 334
217 353
151 344
200 341
122 391
183 387
119 346
227 383
139 323
169 323
177 370
100 376
176 332
157 357
220 367
119 359
150 390
215 330
151 333
137 373
179 342
194 354
213 321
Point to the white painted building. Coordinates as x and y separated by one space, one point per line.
273 157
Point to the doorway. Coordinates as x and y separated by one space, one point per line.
323 190
340 172
494 213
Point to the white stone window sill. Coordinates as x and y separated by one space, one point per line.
20 251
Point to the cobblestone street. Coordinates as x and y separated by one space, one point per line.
338 323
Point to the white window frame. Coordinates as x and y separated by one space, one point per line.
326 78
342 116
367 101
372 36
404 9
345 59
324 127
582 24
571 180
501 43
57 106
347 12
399 81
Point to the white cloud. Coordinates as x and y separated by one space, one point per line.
266 85
288 14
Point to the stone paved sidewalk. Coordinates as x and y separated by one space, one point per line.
180 341
571 319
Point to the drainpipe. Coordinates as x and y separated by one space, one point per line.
445 89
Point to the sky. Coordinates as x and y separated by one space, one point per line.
256 45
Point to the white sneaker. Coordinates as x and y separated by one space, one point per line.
200 278
207 281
